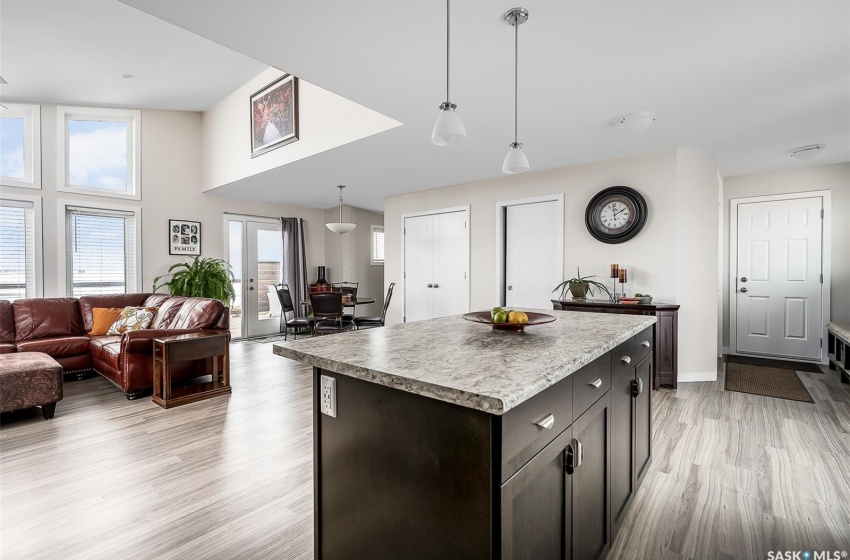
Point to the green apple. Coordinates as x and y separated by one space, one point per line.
500 317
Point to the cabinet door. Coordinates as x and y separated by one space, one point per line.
643 419
536 506
622 448
591 483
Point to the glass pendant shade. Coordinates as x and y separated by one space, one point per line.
448 130
340 227
516 160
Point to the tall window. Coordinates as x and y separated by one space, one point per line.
20 145
101 251
18 259
377 245
99 152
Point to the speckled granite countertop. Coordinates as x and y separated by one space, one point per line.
466 363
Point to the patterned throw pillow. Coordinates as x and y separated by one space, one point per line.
132 319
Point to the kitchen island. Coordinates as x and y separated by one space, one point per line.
445 439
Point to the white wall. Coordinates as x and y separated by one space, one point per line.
349 257
326 121
672 182
835 178
171 188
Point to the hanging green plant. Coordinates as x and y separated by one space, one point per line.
202 277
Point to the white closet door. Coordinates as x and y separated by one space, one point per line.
418 268
779 288
531 254
451 262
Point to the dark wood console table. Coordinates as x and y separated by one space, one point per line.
184 348
665 366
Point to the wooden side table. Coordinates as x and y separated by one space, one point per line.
184 348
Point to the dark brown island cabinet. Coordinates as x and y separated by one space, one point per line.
405 476
666 364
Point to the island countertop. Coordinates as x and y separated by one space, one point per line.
466 363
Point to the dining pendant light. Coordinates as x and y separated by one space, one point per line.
516 160
448 130
340 227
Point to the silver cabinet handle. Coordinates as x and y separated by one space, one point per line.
579 454
627 360
570 458
430 285
645 344
637 387
547 422
436 285
596 383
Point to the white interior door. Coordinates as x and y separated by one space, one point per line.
532 264
451 262
779 286
418 268
263 269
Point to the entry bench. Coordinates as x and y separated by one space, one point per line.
30 379
838 348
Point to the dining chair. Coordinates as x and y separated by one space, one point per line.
370 322
347 289
327 312
297 324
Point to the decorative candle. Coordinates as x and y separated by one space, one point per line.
623 276
615 270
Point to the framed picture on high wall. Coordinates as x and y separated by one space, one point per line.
274 115
184 238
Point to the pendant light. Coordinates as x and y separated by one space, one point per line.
448 130
340 227
516 161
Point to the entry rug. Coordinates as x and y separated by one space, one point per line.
780 383
782 364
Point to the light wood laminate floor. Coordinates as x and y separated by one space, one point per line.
733 475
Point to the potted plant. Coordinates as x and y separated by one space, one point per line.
201 277
579 286
644 298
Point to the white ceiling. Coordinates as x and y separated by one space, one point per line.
749 80
75 51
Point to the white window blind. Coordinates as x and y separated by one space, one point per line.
17 250
377 245
100 251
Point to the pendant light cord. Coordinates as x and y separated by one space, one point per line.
448 48
516 78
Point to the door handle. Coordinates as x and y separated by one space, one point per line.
626 360
436 285
743 278
645 344
597 383
510 287
250 279
579 454
251 288
569 458
744 290
547 422
430 285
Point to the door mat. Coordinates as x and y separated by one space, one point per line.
781 364
780 383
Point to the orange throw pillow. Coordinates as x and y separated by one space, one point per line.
102 319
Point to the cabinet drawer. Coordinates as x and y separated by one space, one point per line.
623 358
523 436
590 383
644 342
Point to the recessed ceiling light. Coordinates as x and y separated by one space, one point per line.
635 122
128 76
805 153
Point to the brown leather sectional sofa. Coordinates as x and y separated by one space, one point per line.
59 326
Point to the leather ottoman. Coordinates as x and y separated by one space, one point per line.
30 379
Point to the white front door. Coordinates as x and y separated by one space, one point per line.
262 271
778 285
436 265
532 264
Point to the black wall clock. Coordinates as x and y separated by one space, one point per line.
616 214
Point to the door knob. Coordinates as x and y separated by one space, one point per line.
430 285
436 285
743 278
743 290
510 287
251 288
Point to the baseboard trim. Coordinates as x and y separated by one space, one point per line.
697 377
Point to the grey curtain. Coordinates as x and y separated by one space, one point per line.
295 261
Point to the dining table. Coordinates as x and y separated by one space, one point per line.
359 300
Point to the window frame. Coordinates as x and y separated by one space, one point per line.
62 209
38 247
132 117
372 259
32 144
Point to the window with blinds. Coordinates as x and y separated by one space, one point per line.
377 245
100 251
17 250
